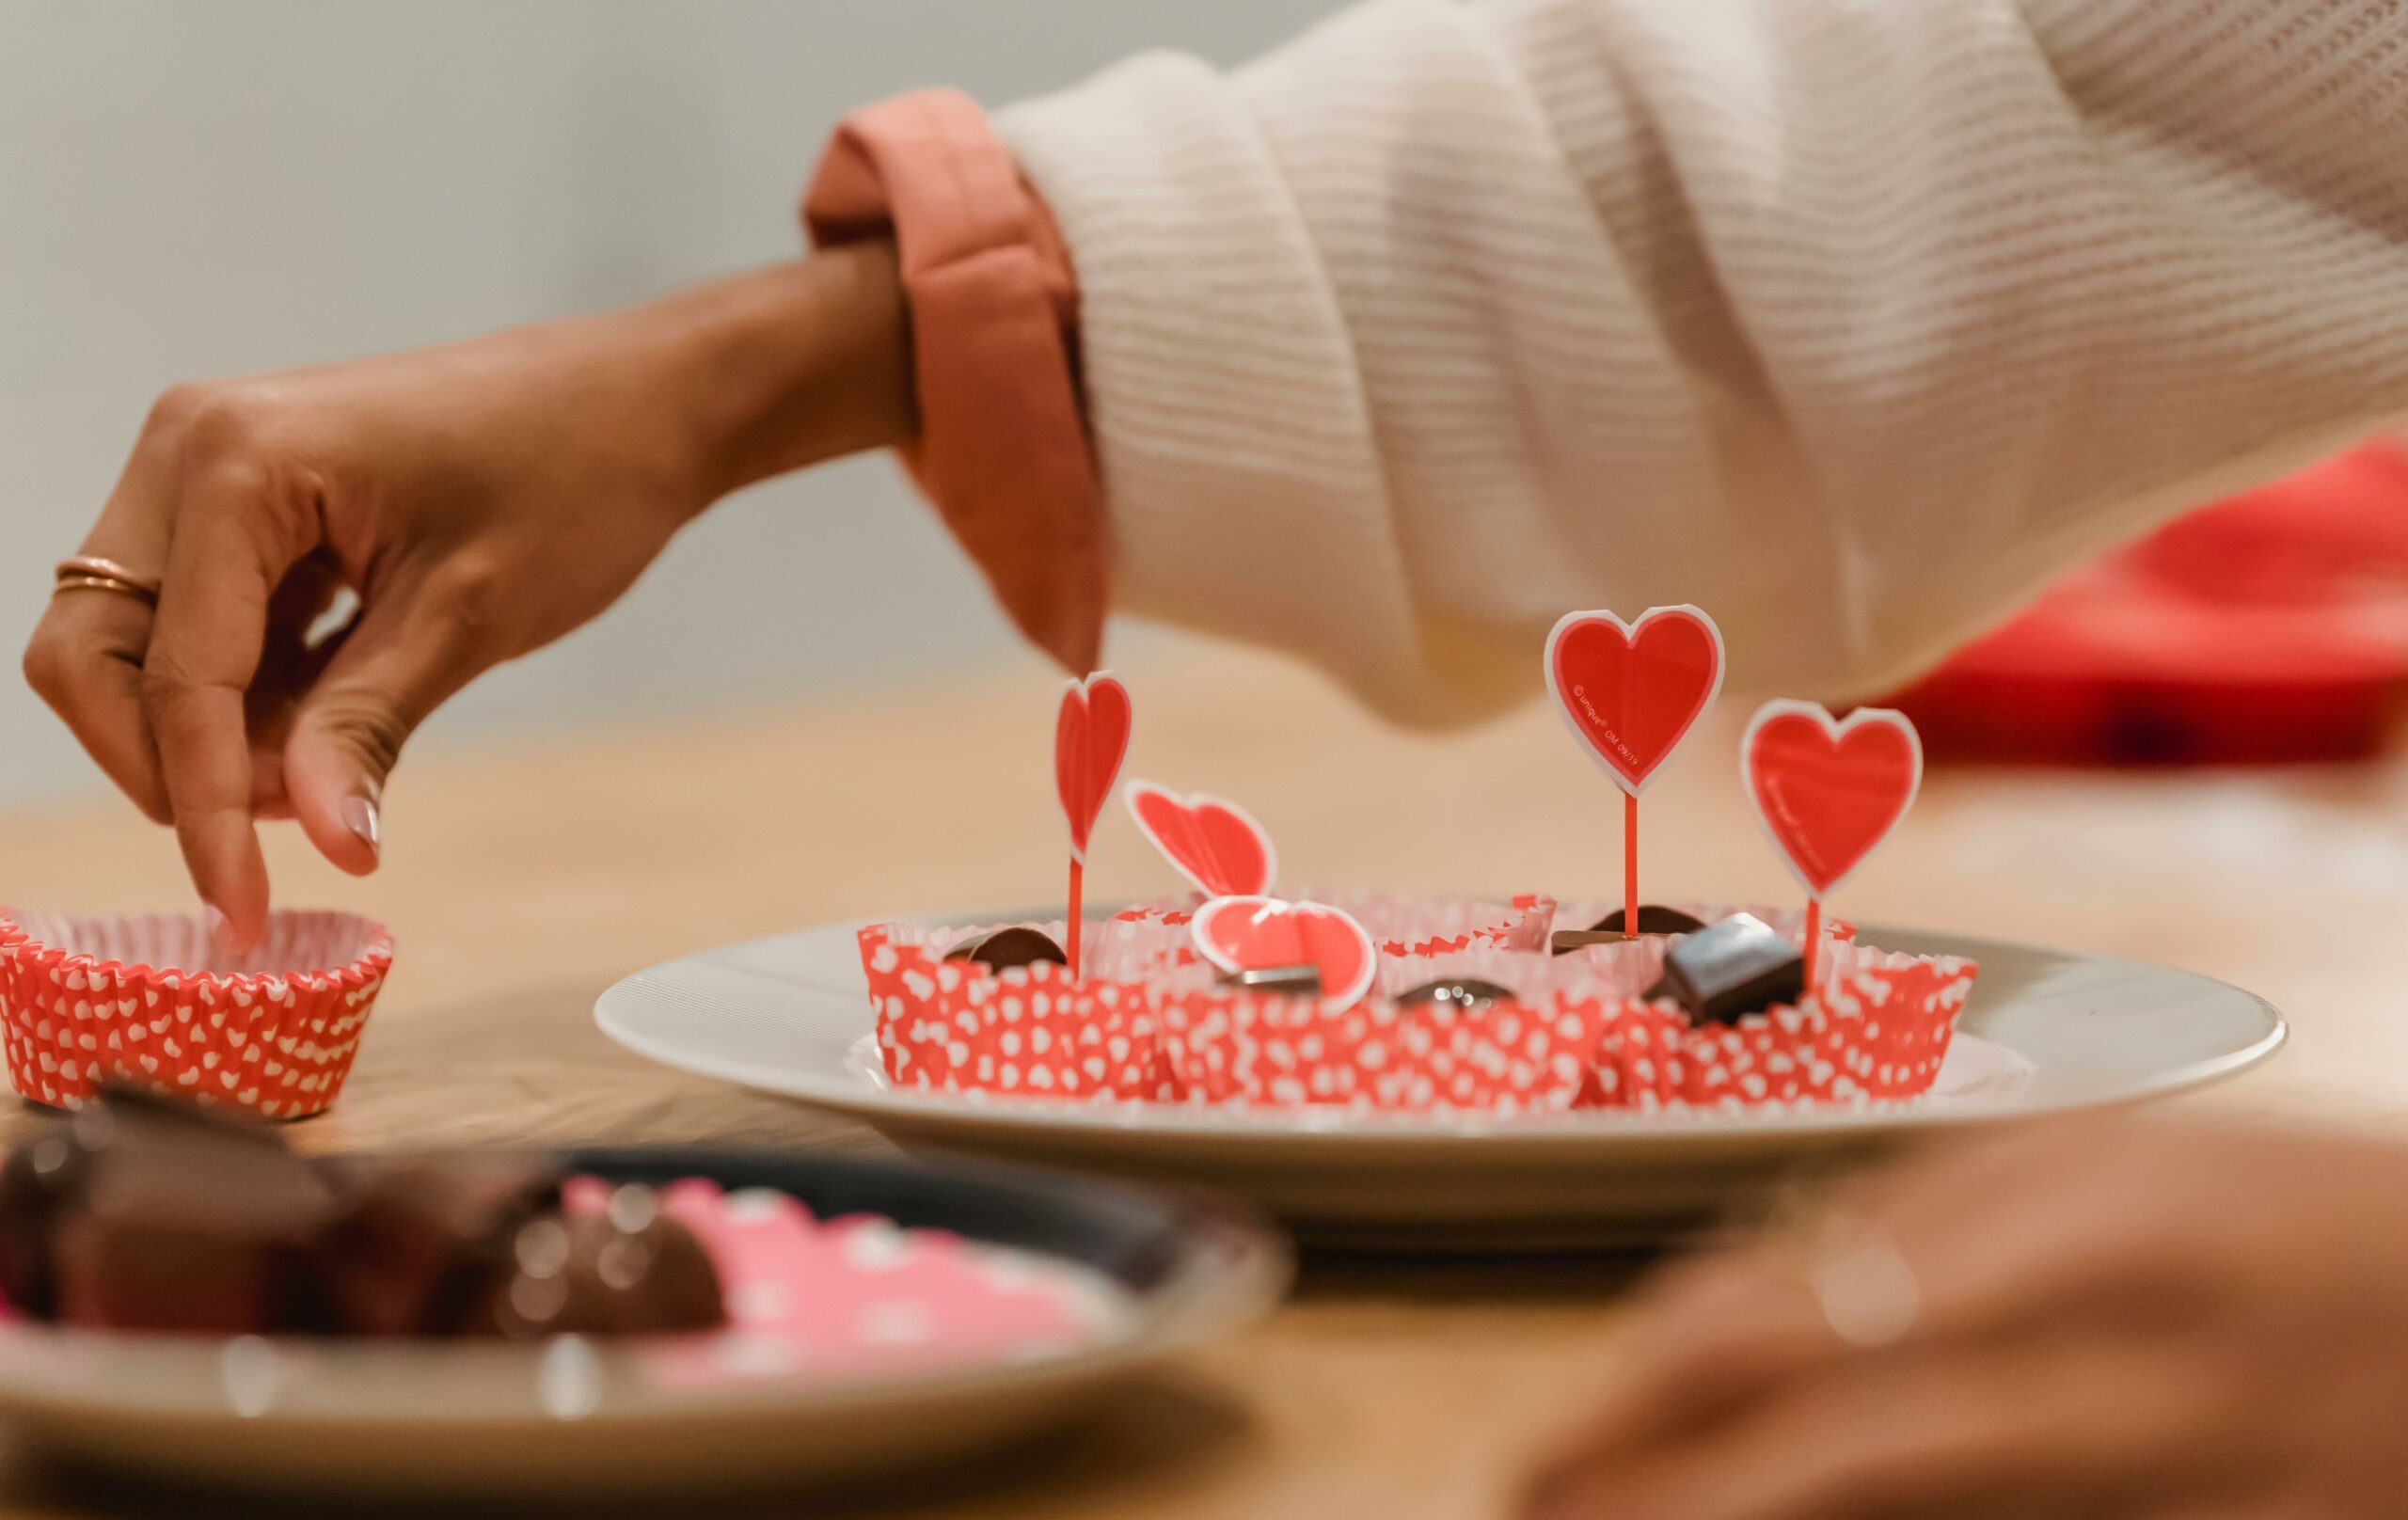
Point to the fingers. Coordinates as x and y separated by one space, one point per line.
2062 1430
85 658
411 649
290 662
86 661
1710 1338
231 547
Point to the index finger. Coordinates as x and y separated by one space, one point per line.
223 560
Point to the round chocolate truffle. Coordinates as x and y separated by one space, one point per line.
1006 948
626 1271
1654 918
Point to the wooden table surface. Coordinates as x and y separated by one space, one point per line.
520 882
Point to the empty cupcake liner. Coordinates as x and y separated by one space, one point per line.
87 1001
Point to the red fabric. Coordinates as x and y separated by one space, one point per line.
2271 626
1003 450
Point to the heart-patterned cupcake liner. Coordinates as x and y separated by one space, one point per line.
1578 1033
87 1001
1026 1032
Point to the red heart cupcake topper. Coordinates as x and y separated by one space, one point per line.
1254 932
1828 790
1630 690
1214 843
1090 741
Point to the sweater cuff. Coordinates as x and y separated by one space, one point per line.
1002 450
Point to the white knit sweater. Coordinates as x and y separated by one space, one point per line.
1848 320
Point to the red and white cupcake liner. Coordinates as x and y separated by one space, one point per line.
1877 1032
1026 1032
89 1002
1579 1034
1259 1051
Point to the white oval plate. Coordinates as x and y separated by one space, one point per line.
2045 1030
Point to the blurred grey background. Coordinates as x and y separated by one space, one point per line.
196 187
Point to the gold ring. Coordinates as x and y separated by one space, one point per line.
91 571
122 587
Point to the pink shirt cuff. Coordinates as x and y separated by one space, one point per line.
1003 450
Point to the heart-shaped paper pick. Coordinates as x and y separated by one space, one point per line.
1828 790
1090 739
1253 932
1630 690
1214 843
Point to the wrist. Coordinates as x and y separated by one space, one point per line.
779 368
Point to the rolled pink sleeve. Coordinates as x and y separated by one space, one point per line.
1002 450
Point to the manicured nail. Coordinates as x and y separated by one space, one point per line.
359 817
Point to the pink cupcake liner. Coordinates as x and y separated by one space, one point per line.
87 1001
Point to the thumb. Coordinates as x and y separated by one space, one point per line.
394 668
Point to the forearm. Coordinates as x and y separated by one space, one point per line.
768 371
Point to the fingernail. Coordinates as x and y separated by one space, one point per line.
220 934
359 817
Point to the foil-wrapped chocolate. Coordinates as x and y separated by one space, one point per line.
1740 966
1008 947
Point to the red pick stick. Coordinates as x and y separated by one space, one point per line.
1090 741
1629 692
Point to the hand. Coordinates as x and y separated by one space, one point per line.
482 499
2109 1319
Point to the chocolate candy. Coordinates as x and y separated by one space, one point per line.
421 1237
629 1270
1465 995
1654 918
1303 980
1006 948
1563 942
1740 966
138 1213
180 1218
37 1180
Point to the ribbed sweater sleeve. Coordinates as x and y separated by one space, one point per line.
1850 320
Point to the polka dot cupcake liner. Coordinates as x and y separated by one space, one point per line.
1026 1032
1876 1030
89 1002
1579 1034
